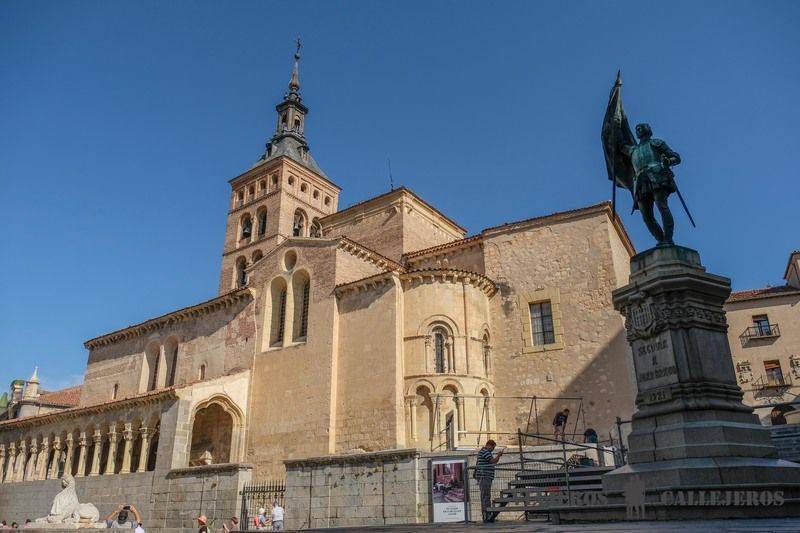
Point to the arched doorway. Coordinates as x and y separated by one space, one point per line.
216 433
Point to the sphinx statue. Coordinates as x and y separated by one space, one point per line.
68 511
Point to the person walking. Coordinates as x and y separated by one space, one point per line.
277 516
484 473
560 424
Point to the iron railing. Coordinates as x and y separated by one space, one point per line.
761 331
767 382
259 495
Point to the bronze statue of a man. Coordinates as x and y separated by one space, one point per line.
653 180
642 167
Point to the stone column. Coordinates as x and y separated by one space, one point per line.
462 416
52 472
111 462
83 442
30 464
22 456
145 449
457 422
412 406
450 358
96 453
127 450
8 475
2 462
690 430
40 471
68 456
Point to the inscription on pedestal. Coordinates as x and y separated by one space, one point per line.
655 367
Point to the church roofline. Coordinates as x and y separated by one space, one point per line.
789 263
57 416
559 216
209 306
400 191
376 280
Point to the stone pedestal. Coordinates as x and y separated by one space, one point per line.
691 430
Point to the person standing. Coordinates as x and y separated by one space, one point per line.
201 524
261 519
560 424
139 528
123 519
277 516
484 473
233 527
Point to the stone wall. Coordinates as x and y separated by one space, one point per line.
167 503
379 488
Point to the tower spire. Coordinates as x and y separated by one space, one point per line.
294 82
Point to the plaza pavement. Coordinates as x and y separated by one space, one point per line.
767 525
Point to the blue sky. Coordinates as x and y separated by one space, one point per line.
122 123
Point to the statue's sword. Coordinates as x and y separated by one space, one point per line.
685 208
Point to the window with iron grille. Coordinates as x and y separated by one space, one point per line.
761 323
304 313
542 323
281 317
438 347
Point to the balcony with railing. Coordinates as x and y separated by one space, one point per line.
772 382
761 331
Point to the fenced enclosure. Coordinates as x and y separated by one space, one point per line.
256 496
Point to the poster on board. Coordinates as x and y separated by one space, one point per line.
449 490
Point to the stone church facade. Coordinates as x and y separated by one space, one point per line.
373 328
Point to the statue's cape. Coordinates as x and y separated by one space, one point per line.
617 133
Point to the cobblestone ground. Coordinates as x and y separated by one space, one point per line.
767 525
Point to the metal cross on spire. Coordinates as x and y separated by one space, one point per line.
294 82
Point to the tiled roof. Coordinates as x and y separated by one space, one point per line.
766 292
68 397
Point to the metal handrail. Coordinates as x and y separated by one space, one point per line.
761 332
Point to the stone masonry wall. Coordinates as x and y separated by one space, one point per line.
387 487
167 503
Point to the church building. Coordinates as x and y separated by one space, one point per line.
378 327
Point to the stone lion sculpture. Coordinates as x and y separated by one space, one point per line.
66 508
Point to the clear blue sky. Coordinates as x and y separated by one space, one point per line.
121 124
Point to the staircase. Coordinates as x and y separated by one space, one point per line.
535 491
787 439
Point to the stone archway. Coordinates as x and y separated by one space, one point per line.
216 433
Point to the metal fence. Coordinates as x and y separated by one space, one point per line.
256 496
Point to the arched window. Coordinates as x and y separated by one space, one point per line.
247 227
299 224
241 272
443 357
303 188
257 256
283 121
297 124
301 290
262 186
201 372
150 367
316 229
171 357
251 190
278 325
262 221
486 353
438 351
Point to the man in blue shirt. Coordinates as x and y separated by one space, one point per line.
484 473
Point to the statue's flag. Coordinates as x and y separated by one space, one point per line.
617 133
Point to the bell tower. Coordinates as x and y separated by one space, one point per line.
282 196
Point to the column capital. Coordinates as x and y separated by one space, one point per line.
145 432
97 437
68 439
12 448
83 441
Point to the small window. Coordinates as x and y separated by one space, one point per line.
262 186
281 317
251 191
762 325
241 272
438 351
299 224
115 391
774 373
297 124
316 194
262 223
304 312
291 180
327 200
542 323
303 188
201 373
274 179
